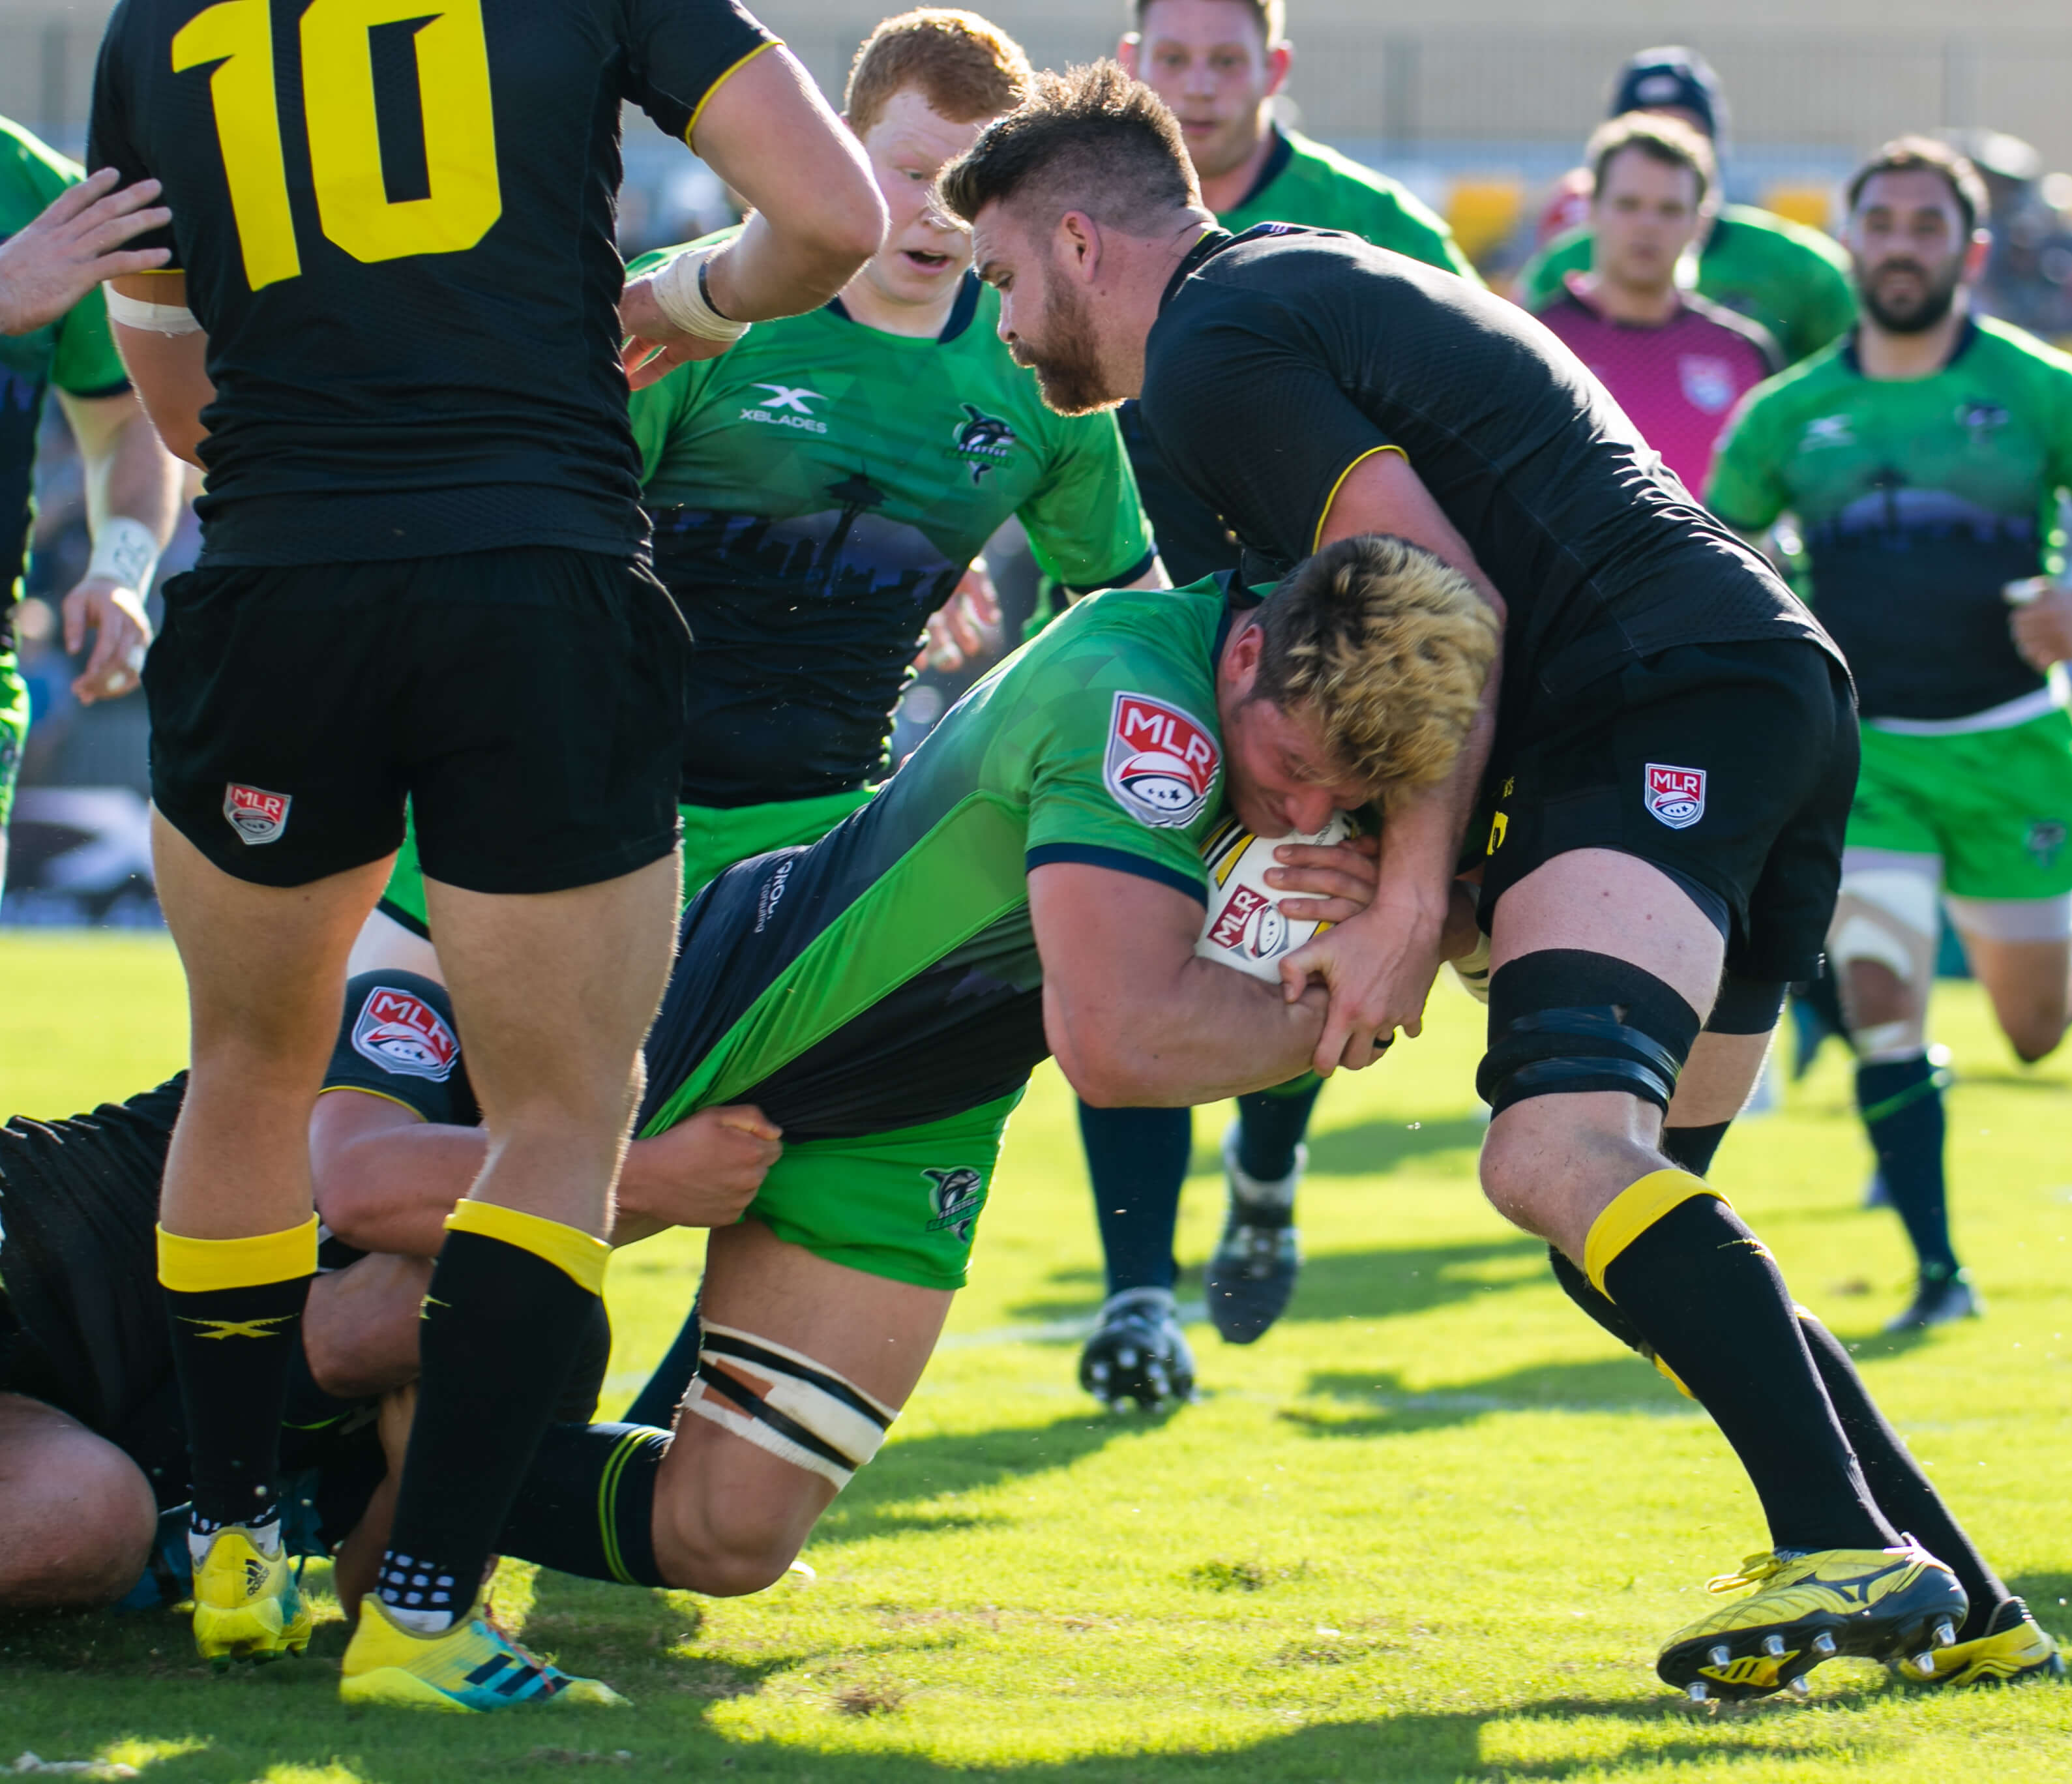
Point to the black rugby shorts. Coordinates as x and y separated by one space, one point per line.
529 701
1729 767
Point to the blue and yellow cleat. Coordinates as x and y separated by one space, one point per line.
1878 1603
247 1605
2014 1646
470 1667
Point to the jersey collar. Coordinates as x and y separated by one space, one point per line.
1271 169
961 312
1965 336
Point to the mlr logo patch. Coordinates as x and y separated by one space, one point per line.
1161 764
404 1035
255 815
1676 795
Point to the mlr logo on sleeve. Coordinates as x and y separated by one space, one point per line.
255 814
404 1035
1677 796
1161 762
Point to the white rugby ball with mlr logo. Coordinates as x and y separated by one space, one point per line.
1245 927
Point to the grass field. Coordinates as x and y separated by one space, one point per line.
1432 1528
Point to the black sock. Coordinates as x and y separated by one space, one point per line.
234 1350
497 1341
1693 1148
1700 1288
1271 1124
656 1403
587 1504
1901 1101
1137 1159
1902 1490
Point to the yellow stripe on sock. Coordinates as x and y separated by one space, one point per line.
567 1248
1631 1212
201 1266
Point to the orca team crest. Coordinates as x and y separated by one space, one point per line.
1161 762
958 1196
1676 797
984 440
403 1033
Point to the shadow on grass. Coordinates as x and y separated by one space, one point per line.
1375 1403
1388 1282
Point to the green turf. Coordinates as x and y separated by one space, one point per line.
1432 1528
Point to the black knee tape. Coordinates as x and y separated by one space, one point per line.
1746 1006
1565 1021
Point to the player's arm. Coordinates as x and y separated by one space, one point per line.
817 215
166 352
78 240
133 502
1135 1017
386 1177
1381 964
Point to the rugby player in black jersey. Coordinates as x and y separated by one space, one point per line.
1656 792
387 331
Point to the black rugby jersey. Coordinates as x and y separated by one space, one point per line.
396 222
1283 356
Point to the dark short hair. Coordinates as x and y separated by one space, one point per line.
1090 139
1272 14
1923 155
1668 140
965 67
1671 75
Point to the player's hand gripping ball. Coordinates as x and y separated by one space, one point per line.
1245 927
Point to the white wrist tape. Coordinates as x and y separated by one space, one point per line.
156 319
678 295
125 551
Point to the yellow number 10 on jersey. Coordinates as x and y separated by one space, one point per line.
345 140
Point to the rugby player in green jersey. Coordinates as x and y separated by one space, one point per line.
1029 882
1792 280
55 225
1923 460
1219 65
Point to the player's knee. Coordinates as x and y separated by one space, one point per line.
1883 942
740 1550
2036 1035
81 1521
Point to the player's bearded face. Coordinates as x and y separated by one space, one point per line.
1907 295
1067 360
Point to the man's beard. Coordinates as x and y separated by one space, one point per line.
1067 366
1937 296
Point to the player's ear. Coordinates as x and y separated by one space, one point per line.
1079 240
1125 52
1280 60
1974 255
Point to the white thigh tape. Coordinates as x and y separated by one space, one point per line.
784 1402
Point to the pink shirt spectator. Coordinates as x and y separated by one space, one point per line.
1678 381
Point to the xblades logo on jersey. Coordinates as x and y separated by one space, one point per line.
787 406
984 440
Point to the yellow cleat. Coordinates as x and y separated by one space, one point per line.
1881 1604
471 1667
247 1605
2015 1646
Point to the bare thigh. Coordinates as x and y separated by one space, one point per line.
77 1515
2030 983
729 1516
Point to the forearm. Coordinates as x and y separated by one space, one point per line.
767 271
135 479
1199 1034
391 1190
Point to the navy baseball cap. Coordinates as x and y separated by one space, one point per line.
1671 75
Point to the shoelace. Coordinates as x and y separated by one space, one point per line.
1751 1572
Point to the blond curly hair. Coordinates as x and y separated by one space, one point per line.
1386 649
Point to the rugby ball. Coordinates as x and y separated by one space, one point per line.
1245 927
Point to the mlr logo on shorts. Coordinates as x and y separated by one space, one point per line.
1161 762
404 1035
255 814
1676 795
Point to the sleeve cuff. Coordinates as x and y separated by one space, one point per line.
1121 861
1119 579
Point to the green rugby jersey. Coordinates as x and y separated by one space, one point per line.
1793 280
74 353
887 976
818 490
1304 181
1918 500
